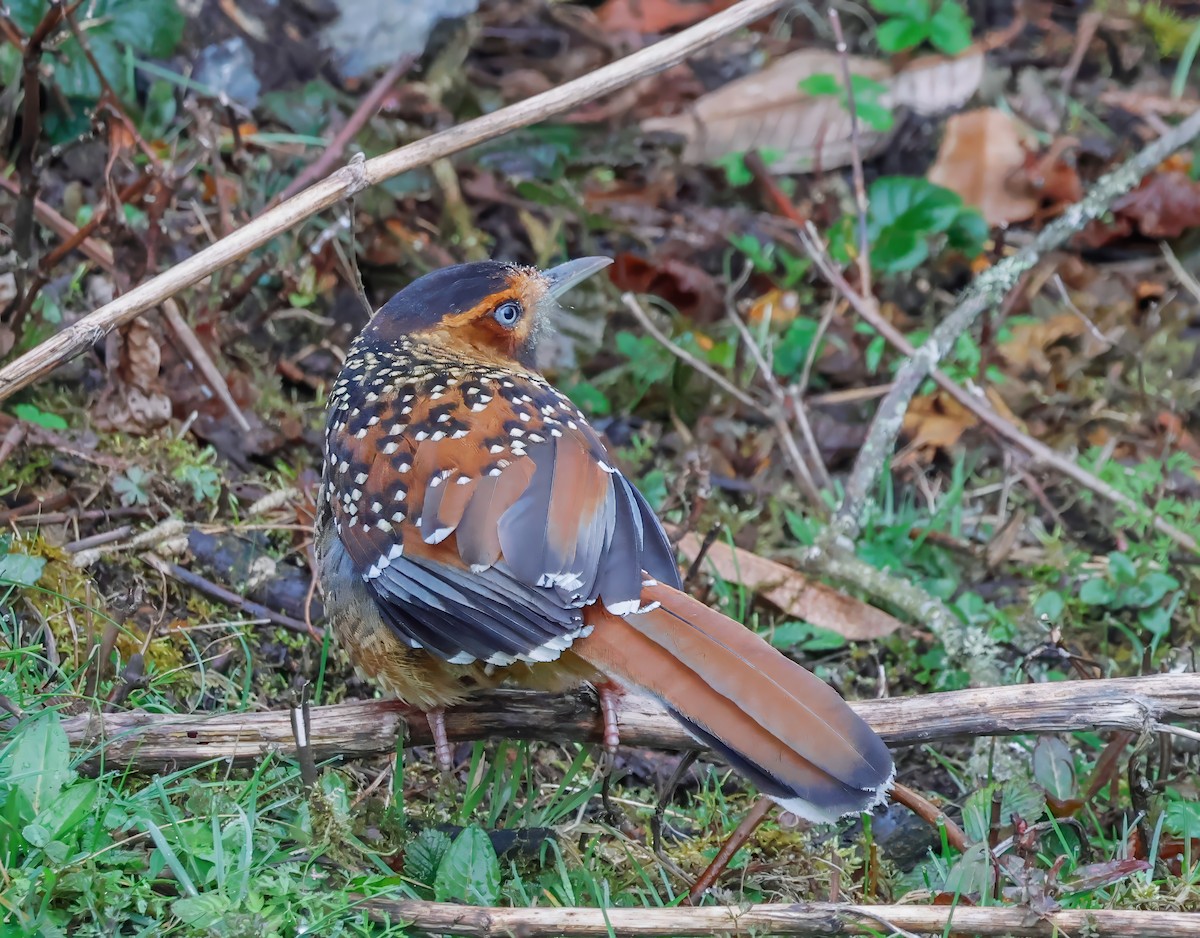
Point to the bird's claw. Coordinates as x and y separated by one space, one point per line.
441 744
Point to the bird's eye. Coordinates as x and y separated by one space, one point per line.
508 314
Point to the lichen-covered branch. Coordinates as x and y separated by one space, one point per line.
987 290
156 742
797 919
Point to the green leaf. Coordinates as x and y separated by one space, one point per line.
914 204
1053 767
968 233
39 761
736 172
590 398
822 84
972 873
21 569
950 28
1018 797
131 487
1049 606
204 912
875 115
1156 621
792 351
1097 592
470 870
900 34
874 353
160 109
1183 818
147 28
26 13
150 27
1121 568
34 414
899 249
806 637
65 813
423 856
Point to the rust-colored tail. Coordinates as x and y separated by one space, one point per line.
780 726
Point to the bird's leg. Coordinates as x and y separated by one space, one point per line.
441 745
610 693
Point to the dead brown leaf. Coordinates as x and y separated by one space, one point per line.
1025 351
1165 205
688 288
777 306
793 592
981 159
933 422
769 111
657 16
133 401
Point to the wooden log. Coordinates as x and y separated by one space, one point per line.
801 919
155 742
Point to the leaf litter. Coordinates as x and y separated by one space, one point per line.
967 156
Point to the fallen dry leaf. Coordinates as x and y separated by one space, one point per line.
777 306
934 84
933 422
1025 351
981 159
793 592
688 288
657 16
1165 205
769 111
133 400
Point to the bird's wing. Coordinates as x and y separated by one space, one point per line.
482 512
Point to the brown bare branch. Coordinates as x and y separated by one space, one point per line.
815 919
154 742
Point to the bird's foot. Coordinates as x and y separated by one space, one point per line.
441 744
610 693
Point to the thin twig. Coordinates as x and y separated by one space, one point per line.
775 415
109 99
1185 277
860 186
220 593
203 361
644 320
784 406
347 181
96 251
741 834
927 811
370 103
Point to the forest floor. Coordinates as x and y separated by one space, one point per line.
157 490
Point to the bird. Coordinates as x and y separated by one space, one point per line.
472 530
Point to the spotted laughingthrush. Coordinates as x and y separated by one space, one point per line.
472 530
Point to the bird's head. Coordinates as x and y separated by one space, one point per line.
485 307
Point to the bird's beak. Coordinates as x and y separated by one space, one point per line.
560 279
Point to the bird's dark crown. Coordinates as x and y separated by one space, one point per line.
439 294
486 309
